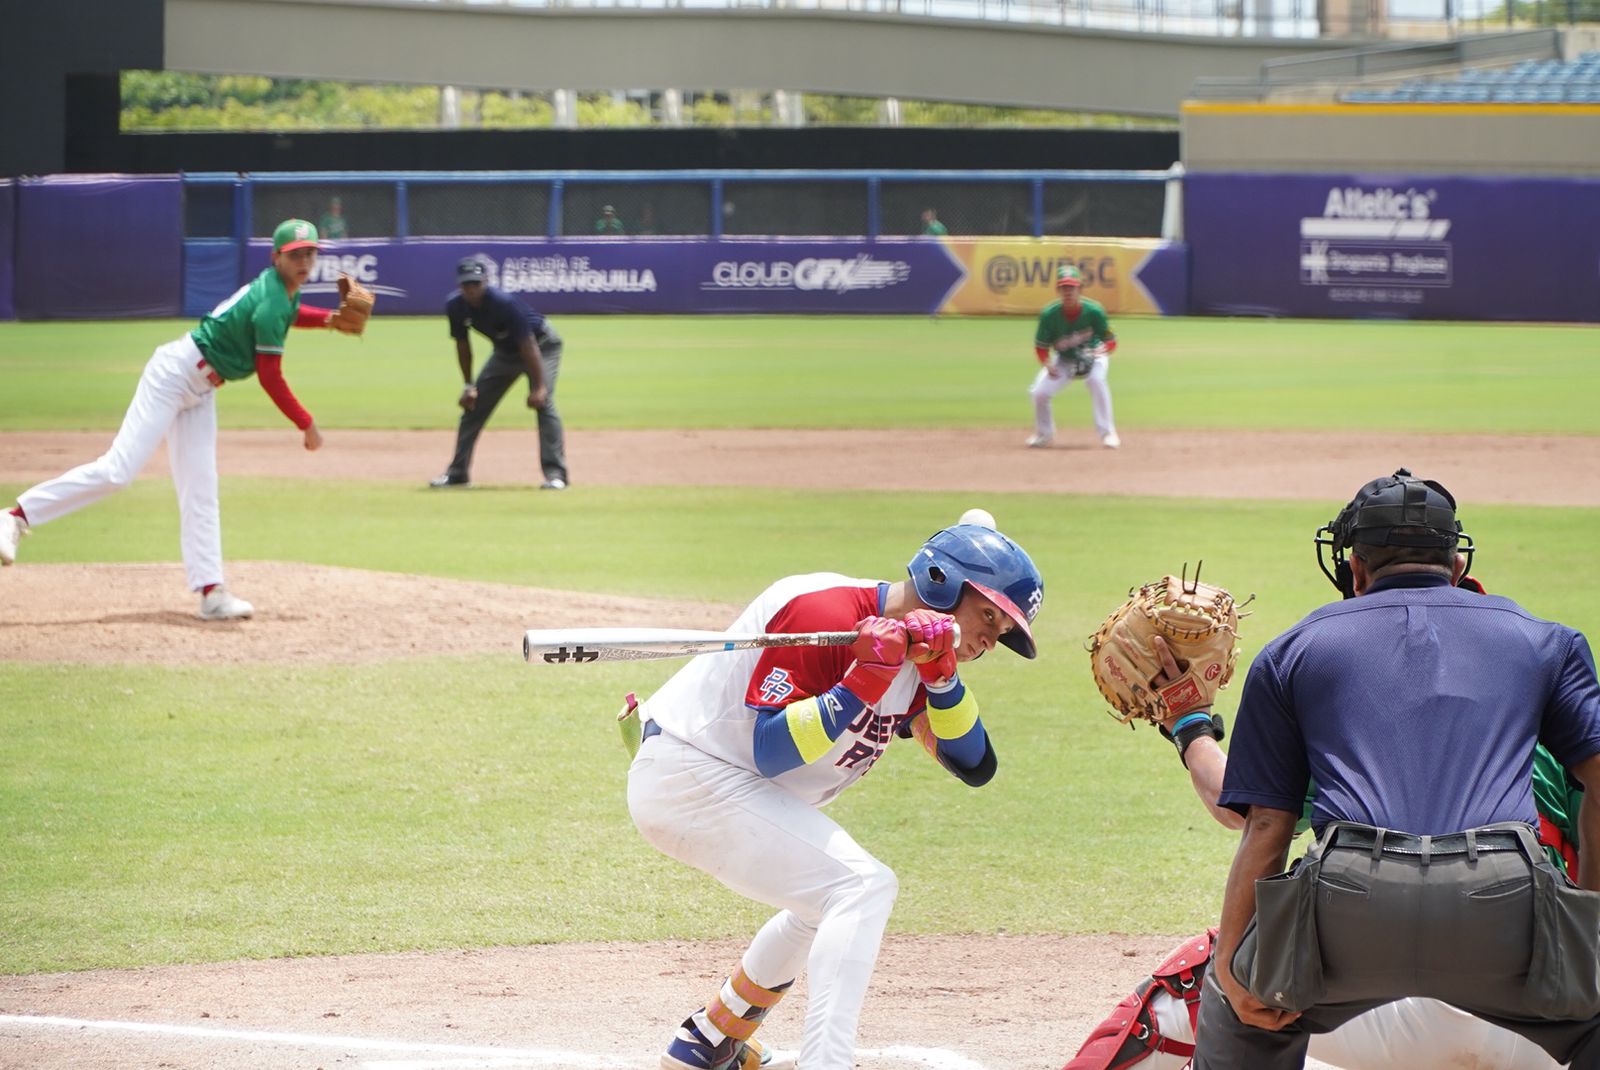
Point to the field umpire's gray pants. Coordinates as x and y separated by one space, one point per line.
498 374
1500 934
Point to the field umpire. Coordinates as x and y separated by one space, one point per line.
524 342
1414 706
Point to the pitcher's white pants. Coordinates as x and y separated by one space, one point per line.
1404 1035
1045 388
770 846
174 400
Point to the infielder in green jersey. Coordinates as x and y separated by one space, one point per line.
176 400
1073 341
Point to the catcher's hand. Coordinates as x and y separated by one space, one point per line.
355 307
1200 624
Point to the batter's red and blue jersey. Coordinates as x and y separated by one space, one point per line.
714 701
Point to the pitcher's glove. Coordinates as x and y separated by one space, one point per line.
1200 624
355 307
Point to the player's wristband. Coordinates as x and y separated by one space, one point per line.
1196 726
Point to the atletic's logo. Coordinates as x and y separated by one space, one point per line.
1376 245
1382 213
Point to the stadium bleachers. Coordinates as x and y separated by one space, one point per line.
1531 81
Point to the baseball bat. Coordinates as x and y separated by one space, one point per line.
581 646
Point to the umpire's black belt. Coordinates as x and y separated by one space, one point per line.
1471 843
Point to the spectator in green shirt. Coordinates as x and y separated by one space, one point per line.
931 226
608 223
334 226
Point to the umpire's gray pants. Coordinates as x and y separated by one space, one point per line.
1457 929
497 375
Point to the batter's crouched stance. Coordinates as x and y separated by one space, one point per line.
176 400
524 342
742 749
1419 883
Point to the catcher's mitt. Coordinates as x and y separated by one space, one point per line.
355 307
1200 624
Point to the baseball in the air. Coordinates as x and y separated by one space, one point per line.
981 517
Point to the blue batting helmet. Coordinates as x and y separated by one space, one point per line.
993 565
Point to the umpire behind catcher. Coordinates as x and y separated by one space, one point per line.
523 341
1414 707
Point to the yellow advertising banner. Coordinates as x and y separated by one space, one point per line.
1015 276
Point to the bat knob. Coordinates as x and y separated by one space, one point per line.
527 652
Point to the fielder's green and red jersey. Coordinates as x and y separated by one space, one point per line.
1557 797
255 319
1089 328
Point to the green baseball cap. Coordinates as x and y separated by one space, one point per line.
294 234
1067 275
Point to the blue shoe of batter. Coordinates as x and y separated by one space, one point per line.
690 1050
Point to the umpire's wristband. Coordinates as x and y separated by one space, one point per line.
1193 727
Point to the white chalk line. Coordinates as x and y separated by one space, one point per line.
477 1056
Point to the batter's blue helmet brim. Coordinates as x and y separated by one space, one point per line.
1019 638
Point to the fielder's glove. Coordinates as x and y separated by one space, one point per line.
355 307
1200 624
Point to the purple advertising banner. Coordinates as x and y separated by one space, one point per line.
99 247
8 243
415 277
1394 246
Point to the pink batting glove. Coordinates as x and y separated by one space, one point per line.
933 641
881 641
1110 346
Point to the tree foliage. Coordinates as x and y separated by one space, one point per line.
174 100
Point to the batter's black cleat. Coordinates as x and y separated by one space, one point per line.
447 481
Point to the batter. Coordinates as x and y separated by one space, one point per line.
741 750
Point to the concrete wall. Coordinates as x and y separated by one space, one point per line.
824 52
1457 139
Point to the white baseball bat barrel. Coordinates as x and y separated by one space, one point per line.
584 646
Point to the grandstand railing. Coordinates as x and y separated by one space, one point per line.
1348 65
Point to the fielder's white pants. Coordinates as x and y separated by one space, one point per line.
1046 386
1404 1035
175 401
764 843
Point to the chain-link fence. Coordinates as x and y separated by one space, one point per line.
642 209
340 210
1123 204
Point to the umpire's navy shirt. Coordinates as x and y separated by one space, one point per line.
503 320
1413 707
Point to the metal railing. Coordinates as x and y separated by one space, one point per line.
1344 66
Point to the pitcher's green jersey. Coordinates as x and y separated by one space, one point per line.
254 320
1089 328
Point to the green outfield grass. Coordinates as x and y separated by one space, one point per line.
153 815
700 372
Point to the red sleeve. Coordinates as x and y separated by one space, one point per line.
1043 353
789 674
269 369
313 317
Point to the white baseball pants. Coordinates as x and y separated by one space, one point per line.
764 843
1045 388
176 401
1402 1035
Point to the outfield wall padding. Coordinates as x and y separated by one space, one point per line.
99 247
1394 246
8 236
826 276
